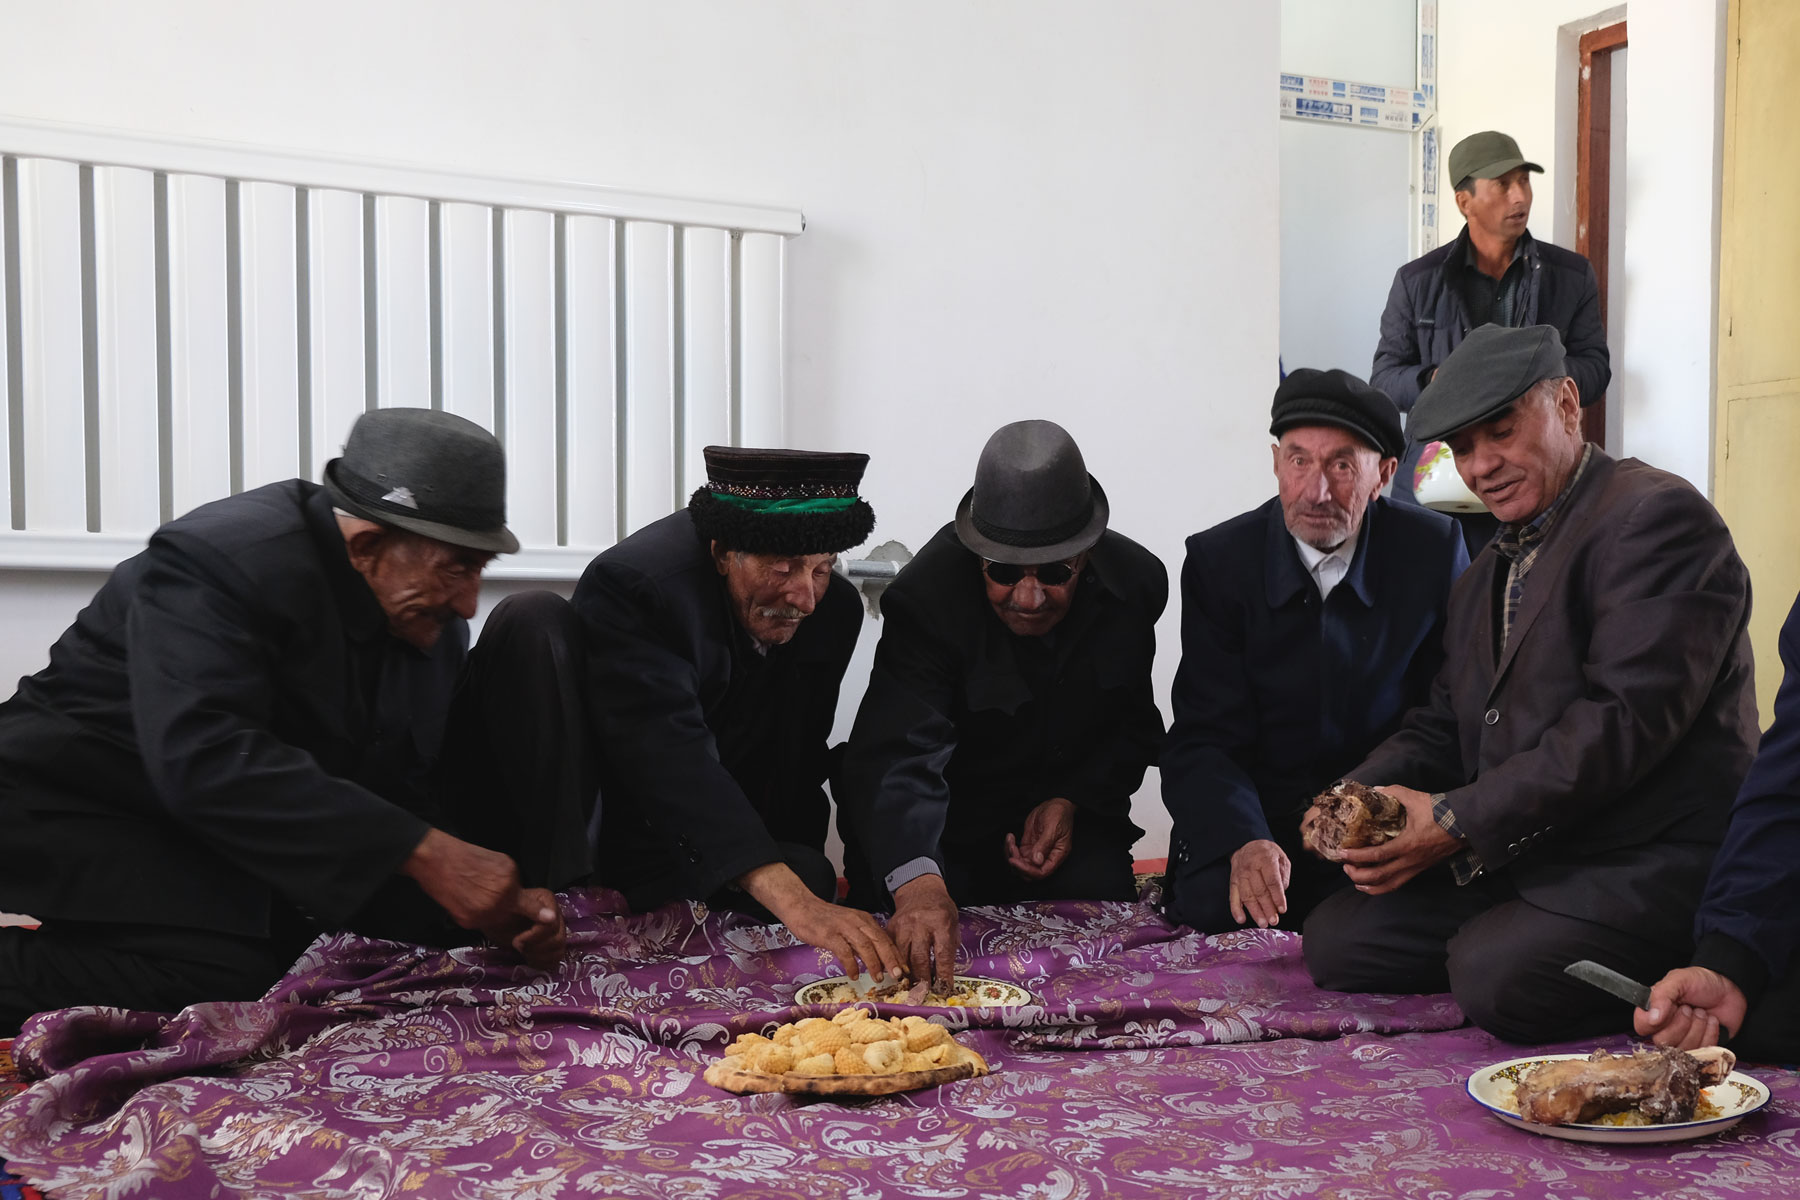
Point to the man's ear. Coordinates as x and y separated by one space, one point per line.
721 557
1387 467
364 547
1568 403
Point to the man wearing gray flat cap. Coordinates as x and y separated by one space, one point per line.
232 747
1569 780
1009 716
1494 272
1309 627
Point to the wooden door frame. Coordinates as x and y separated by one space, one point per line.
1593 178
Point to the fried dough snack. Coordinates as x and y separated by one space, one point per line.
853 1043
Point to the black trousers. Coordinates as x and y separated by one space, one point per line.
1499 955
517 774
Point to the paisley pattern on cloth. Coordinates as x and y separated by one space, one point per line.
1159 1063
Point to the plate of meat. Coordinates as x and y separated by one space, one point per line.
1653 1094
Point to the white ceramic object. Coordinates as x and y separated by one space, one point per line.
1738 1097
1437 484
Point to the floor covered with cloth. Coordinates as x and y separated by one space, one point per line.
1158 1063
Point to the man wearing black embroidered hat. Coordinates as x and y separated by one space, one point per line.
716 640
1009 717
230 749
1569 780
1309 626
1494 271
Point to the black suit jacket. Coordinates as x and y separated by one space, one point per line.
1594 761
967 726
1279 693
227 721
709 752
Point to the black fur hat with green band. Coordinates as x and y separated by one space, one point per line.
782 501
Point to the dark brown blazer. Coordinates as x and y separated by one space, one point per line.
1594 762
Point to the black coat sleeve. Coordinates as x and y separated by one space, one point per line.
1214 802
1584 337
203 697
650 724
1104 778
1397 369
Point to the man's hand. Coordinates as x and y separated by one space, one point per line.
1049 832
1381 869
924 927
848 933
1259 877
1691 1007
480 890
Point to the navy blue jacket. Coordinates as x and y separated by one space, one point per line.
1747 929
1279 694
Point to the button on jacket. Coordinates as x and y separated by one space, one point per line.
1280 693
710 753
966 726
227 722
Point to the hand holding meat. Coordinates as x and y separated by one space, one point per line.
1420 844
1348 815
924 927
480 890
1691 1007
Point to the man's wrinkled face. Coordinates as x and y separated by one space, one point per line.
1327 476
772 593
1499 208
1519 462
1032 600
421 584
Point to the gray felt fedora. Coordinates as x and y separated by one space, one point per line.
1033 499
429 472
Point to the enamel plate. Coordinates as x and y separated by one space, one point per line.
985 993
1736 1098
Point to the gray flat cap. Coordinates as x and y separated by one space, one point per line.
1493 367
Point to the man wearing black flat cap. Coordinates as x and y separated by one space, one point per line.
1495 272
1569 781
715 642
1009 716
231 748
1309 626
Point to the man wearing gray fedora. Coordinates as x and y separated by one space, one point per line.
1009 716
232 746
1569 779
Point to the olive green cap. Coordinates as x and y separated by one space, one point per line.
1486 155
1493 367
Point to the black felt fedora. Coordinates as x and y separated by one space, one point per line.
1033 499
429 472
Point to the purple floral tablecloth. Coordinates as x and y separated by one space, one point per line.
1158 1063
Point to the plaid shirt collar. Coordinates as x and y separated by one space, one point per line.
1518 542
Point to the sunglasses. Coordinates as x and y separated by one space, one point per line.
1048 574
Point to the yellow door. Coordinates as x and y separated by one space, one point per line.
1758 432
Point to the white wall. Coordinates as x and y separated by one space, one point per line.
1045 208
1512 67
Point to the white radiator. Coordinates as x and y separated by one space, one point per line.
184 321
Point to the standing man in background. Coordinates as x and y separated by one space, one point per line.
1493 272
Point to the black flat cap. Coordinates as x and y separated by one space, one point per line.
1493 367
433 473
1309 397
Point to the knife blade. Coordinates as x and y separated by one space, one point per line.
1608 980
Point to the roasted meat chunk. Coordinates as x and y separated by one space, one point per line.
1349 815
1661 1084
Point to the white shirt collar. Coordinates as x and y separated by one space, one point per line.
1328 567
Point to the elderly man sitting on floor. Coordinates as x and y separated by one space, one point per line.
231 747
1009 717
1568 782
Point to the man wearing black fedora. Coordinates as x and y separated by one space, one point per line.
715 641
232 745
1309 626
1010 714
